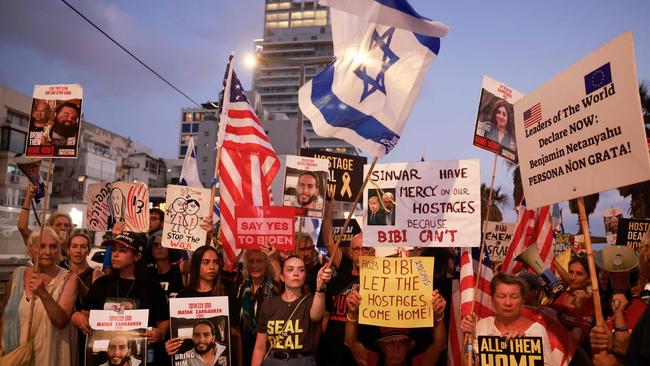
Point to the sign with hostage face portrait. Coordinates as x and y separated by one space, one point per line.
117 337
203 325
54 121
304 185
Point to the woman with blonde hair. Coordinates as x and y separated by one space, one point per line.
52 293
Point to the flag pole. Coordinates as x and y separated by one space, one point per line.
38 248
477 275
223 118
584 224
354 205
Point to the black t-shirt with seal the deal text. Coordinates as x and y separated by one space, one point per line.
284 334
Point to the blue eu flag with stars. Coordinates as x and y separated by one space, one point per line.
598 78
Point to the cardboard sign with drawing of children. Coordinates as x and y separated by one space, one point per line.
185 209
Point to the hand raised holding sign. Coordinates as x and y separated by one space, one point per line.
324 276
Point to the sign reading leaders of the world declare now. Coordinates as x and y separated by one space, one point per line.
582 132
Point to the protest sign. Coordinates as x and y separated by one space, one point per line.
582 132
495 122
264 225
434 203
204 326
497 350
561 243
611 217
116 338
631 231
345 173
55 120
396 292
498 236
337 226
108 203
305 182
186 207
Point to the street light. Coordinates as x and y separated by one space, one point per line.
252 60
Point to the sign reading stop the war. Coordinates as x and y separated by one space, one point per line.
582 132
265 225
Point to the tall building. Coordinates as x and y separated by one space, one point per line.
299 31
203 125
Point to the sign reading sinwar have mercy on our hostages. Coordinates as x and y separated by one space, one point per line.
396 292
582 132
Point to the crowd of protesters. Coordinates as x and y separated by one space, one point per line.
298 308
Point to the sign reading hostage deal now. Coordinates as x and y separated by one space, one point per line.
345 173
435 203
582 132
265 225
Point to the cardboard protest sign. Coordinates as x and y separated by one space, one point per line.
495 122
116 338
631 231
305 182
265 225
611 217
185 208
435 203
204 326
396 292
497 350
561 243
55 120
108 203
345 176
498 236
337 226
582 132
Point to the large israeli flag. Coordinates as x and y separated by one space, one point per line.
382 50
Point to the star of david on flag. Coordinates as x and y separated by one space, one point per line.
382 50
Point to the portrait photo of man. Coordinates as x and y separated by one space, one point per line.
66 124
120 351
308 191
206 350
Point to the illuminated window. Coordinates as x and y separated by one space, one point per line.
320 14
296 15
286 5
320 21
272 6
277 16
307 14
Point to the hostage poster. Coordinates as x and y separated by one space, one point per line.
495 122
185 209
203 325
434 203
55 120
116 338
305 185
582 132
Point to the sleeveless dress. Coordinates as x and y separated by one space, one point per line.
53 346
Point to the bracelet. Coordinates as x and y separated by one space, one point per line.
439 320
620 329
347 316
25 208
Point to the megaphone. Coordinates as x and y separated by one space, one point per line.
618 260
552 286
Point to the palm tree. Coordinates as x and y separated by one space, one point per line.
499 200
640 192
591 201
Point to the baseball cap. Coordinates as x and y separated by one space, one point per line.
395 335
135 241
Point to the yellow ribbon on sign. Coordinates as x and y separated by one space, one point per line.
346 185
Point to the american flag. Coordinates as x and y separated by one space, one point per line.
534 227
247 163
462 296
533 115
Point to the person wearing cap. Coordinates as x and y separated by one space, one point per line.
129 283
396 344
508 294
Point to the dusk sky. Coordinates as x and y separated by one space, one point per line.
522 44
